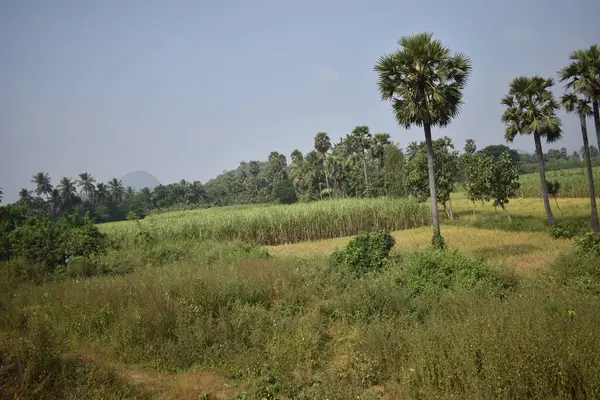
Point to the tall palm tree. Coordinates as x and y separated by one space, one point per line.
531 109
116 189
86 184
55 201
129 192
362 140
43 185
424 83
67 190
322 146
581 106
101 193
582 76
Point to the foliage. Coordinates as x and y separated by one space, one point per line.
563 231
573 183
589 243
365 252
52 244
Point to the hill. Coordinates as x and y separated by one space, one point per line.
140 179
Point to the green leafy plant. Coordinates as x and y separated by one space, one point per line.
366 252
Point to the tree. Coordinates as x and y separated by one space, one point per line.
531 109
116 190
67 191
25 196
322 146
446 172
393 171
1 195
581 107
101 193
582 76
43 185
470 147
360 140
503 180
497 150
424 83
86 184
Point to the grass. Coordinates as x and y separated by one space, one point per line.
573 182
295 328
278 224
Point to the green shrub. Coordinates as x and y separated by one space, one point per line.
589 243
50 244
430 272
366 252
563 231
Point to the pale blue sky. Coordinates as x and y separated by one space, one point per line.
186 89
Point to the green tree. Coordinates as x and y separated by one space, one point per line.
86 183
531 109
424 83
581 107
101 193
360 141
25 196
1 195
43 184
67 191
393 171
496 151
446 172
116 190
322 146
582 76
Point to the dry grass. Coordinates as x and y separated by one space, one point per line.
518 250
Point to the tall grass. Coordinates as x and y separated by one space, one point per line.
573 183
281 223
430 325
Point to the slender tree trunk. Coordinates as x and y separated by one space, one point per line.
540 155
450 206
473 208
364 159
590 174
505 211
596 120
432 187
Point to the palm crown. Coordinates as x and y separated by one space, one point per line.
530 108
43 184
423 81
582 75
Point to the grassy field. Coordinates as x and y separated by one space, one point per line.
193 312
573 183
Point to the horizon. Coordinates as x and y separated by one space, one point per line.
172 88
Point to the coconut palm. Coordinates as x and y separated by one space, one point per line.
362 140
129 192
43 185
424 83
86 184
322 146
116 189
581 107
55 201
531 109
582 76
101 193
25 196
67 190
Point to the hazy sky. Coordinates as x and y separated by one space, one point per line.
187 89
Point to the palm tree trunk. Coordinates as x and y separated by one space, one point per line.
590 174
364 159
432 187
540 155
596 120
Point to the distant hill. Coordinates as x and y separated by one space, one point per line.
139 180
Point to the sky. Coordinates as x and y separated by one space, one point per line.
187 89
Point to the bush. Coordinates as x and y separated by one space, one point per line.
563 231
366 252
49 244
430 272
589 243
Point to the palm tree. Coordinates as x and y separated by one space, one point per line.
25 196
55 201
424 83
581 106
582 76
1 194
86 184
322 146
43 185
530 109
129 192
116 189
67 190
362 140
101 193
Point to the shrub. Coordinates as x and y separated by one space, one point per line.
589 243
52 244
563 231
430 272
366 252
